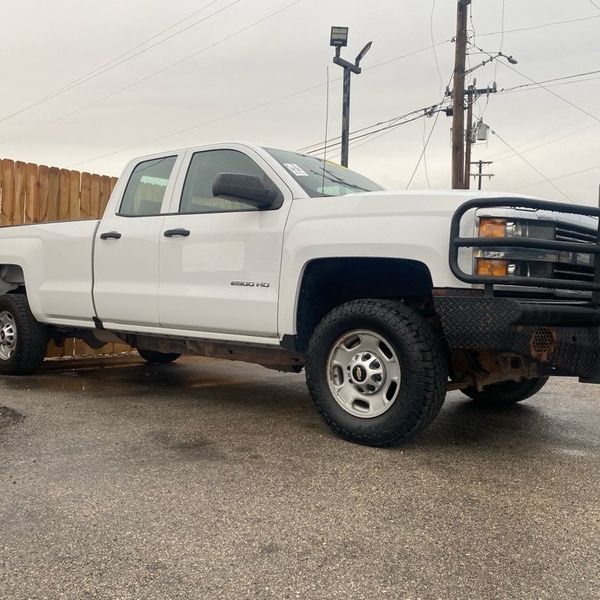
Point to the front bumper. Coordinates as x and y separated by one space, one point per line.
562 338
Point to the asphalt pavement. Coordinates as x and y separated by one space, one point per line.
208 479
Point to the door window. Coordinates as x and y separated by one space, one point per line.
146 187
197 195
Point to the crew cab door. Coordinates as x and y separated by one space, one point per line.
220 257
127 245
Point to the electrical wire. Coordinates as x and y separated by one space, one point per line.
247 109
542 86
433 46
593 3
424 150
122 58
531 165
326 131
425 155
541 26
391 124
563 176
536 83
151 75
501 38
318 145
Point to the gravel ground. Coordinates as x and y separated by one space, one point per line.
208 479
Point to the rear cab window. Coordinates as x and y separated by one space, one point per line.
146 187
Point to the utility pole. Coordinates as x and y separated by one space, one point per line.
480 174
458 94
339 39
469 136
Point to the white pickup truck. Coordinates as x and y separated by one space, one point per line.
388 299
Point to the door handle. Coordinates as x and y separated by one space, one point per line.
176 233
110 235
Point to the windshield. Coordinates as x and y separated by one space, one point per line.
318 178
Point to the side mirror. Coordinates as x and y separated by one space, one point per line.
245 187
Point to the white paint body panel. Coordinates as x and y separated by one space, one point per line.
147 283
56 259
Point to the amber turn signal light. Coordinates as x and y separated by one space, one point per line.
492 267
492 228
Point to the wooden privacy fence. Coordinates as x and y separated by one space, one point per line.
31 193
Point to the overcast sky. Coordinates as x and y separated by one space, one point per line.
213 89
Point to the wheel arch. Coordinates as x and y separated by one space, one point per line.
12 277
330 282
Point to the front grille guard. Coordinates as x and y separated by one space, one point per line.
457 242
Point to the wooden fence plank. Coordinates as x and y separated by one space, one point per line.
18 212
95 196
64 182
85 206
74 184
53 194
43 188
31 193
7 175
104 192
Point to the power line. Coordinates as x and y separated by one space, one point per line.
593 3
382 126
501 37
154 74
437 116
530 164
541 85
249 108
319 145
435 56
122 58
546 143
564 176
541 26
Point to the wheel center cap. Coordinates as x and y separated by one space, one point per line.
359 373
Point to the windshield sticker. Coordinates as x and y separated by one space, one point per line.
296 170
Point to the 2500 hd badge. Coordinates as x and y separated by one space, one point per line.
261 284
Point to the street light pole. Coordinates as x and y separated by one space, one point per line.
339 39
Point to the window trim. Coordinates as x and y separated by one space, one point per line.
276 204
118 212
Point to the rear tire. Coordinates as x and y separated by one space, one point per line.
23 340
158 358
376 371
507 393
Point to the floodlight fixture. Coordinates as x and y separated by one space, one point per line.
339 37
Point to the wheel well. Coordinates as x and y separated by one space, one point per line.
11 278
329 282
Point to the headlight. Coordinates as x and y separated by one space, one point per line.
504 261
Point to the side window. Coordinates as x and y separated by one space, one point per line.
197 195
146 187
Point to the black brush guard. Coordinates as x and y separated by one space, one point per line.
457 242
513 323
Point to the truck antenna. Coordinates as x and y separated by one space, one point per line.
326 132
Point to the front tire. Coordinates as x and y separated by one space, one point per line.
507 393
376 371
23 340
158 358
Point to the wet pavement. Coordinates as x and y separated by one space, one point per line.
209 479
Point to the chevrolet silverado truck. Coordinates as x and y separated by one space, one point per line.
387 299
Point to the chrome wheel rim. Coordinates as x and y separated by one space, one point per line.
8 335
364 373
